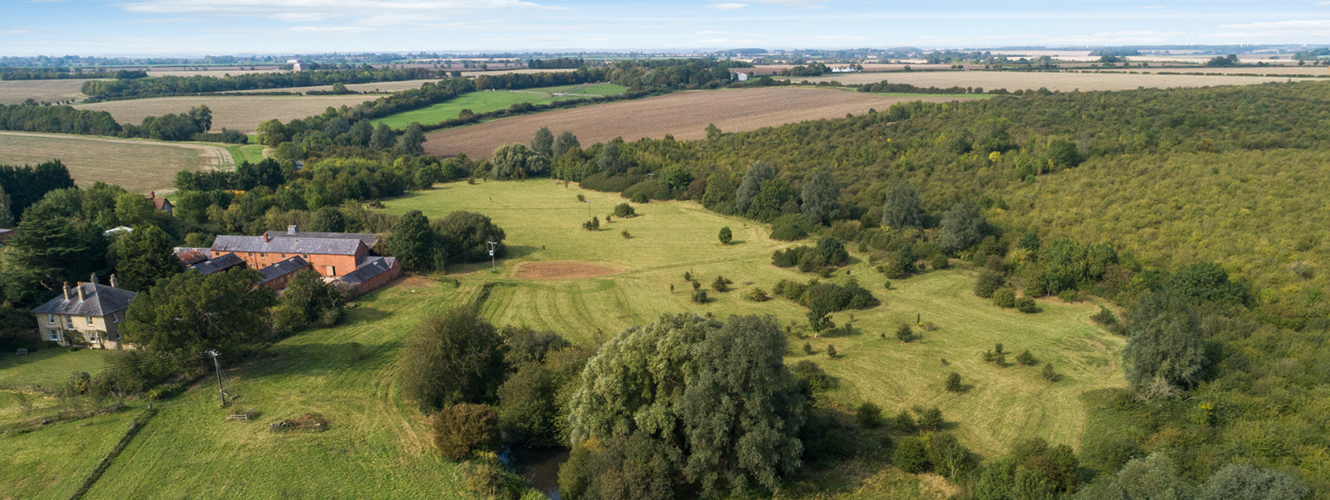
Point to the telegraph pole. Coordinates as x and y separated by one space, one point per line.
218 366
493 245
588 208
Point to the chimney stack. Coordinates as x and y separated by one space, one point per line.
266 238
66 290
80 288
152 195
114 283
94 279
292 230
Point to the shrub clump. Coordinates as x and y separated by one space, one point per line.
624 211
869 415
592 225
464 428
1005 297
756 294
726 236
954 382
721 284
1025 358
1026 305
699 295
904 333
989 282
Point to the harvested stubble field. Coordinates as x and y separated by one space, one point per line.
372 88
136 165
1240 70
1057 81
243 113
683 114
16 91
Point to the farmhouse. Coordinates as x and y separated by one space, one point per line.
162 204
330 257
86 315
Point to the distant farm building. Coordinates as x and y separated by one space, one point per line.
162 204
846 69
297 65
743 77
86 315
344 257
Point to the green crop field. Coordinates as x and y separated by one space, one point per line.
485 101
378 446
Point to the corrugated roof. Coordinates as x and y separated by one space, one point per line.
282 268
318 246
218 265
369 268
98 300
191 255
368 239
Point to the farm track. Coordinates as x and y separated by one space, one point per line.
685 115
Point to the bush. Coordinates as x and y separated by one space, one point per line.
1050 374
624 210
464 428
811 374
939 262
904 333
1004 297
869 415
931 420
756 294
1026 305
592 225
831 351
699 296
954 382
726 236
639 198
1105 317
1025 358
910 455
788 232
904 422
989 282
1070 295
626 235
808 348
720 284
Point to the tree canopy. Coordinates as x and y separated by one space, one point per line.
1166 349
190 312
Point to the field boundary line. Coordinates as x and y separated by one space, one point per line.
135 426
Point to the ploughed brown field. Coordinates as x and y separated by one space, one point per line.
1083 80
685 115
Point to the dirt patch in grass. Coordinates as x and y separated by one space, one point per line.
685 115
562 270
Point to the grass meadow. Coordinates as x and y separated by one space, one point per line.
485 101
136 165
379 446
543 224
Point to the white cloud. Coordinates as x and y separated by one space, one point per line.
305 11
16 32
728 6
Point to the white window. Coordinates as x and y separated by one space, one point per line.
55 335
50 318
115 318
92 336
89 320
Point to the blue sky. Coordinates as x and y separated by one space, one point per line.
199 27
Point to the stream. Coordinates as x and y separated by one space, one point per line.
539 467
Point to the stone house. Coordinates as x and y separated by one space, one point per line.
87 315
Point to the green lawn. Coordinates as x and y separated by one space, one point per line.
252 153
485 101
542 221
375 447
51 366
53 461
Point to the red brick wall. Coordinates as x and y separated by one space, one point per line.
341 264
381 279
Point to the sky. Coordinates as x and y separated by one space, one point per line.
224 27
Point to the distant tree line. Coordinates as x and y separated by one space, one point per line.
65 73
556 63
159 86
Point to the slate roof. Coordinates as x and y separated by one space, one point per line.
219 264
98 300
369 268
317 246
282 268
368 239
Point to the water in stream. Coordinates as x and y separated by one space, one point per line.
538 466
